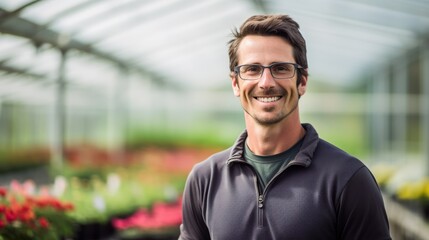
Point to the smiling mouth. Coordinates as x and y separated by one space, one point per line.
267 99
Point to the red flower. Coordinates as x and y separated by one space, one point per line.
68 206
10 215
43 222
26 213
3 192
42 202
2 208
47 201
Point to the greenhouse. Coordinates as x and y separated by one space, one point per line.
105 106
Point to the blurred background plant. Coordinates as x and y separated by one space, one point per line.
25 215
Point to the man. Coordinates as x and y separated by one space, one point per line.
279 180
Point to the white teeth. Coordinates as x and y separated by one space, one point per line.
268 99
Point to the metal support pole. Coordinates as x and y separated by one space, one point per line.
381 109
117 114
59 116
424 99
399 108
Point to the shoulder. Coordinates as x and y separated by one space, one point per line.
325 158
348 174
330 155
338 167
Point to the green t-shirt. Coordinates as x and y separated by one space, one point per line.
268 166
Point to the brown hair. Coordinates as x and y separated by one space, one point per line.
271 25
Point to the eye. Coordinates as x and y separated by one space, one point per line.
251 68
281 68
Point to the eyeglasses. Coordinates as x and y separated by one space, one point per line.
281 70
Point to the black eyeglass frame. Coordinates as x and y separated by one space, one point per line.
295 65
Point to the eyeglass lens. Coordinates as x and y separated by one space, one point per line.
278 70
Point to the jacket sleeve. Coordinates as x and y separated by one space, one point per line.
361 212
193 226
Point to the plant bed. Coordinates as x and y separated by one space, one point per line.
94 231
418 207
167 233
25 215
159 223
23 159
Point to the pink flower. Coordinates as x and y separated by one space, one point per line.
162 215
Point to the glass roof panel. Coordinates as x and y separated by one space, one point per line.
352 34
49 9
11 5
185 40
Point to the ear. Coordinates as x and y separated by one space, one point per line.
235 86
302 87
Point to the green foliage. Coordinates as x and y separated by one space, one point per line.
173 139
23 159
62 225
164 233
83 173
344 131
97 201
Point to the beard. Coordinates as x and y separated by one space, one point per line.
270 120
268 116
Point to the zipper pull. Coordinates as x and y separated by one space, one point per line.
261 201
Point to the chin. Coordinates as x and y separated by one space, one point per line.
268 120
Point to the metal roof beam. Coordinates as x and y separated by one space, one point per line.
26 29
39 35
20 71
5 15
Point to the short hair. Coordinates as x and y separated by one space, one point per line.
271 25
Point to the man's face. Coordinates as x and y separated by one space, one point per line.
267 100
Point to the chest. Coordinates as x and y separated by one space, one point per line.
289 208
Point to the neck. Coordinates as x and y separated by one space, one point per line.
272 139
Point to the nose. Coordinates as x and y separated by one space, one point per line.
266 81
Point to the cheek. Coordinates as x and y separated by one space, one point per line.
298 91
291 89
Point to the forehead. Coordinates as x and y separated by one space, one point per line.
264 50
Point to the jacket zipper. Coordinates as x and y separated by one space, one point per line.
280 172
261 196
260 210
260 193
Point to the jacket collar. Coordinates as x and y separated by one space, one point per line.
304 156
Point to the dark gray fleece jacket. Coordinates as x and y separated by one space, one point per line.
323 193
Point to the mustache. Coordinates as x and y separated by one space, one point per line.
269 92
